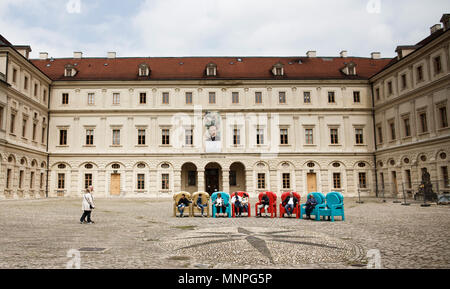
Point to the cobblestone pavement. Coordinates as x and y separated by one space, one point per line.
143 234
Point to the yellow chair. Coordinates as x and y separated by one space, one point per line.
176 199
205 200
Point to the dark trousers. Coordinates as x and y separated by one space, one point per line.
309 210
221 209
238 208
86 214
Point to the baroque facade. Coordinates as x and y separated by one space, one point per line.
149 127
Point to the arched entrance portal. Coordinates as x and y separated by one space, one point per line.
213 178
189 178
237 177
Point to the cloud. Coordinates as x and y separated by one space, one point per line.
217 27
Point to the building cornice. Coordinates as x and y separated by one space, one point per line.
403 147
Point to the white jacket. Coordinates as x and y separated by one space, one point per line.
88 200
233 199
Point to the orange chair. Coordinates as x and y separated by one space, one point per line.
240 194
272 204
296 210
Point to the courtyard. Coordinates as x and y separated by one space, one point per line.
142 233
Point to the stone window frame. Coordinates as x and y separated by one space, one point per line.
443 124
406 117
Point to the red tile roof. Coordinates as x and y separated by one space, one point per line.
193 68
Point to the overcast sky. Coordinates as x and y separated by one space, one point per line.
217 27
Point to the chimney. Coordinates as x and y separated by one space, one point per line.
344 53
24 50
375 55
111 55
78 55
435 28
311 54
405 50
445 20
43 55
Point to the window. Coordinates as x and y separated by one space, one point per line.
41 181
331 97
141 136
282 97
407 127
165 98
189 137
35 90
140 181
188 97
44 96
233 178
43 134
165 181
142 98
307 97
404 81
192 178
62 137
31 180
1 118
165 136
261 181
258 97
65 98
362 180
443 116
437 65
87 180
408 179
61 181
89 137
419 70
25 83
284 136
286 181
377 93
334 136
24 127
309 137
116 98
356 97
380 134
236 136
444 171
116 137
235 97
91 98
336 180
382 180
34 131
423 122
20 179
13 122
259 136
359 134
390 90
212 98
393 135
8 178
14 75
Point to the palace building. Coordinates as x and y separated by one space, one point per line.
152 126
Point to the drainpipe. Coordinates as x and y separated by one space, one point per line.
48 133
375 140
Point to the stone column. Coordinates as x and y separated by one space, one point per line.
177 181
298 181
249 184
153 183
101 183
201 180
273 181
226 181
352 184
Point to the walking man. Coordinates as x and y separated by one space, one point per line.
87 206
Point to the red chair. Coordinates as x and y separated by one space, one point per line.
296 210
240 194
272 204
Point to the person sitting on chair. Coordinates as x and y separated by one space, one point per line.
310 205
236 200
220 205
289 204
245 203
182 203
265 202
200 204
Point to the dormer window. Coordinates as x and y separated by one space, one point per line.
144 70
69 70
278 69
211 69
349 69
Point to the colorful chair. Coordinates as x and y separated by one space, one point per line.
226 199
320 199
334 206
272 204
176 199
205 200
296 210
241 194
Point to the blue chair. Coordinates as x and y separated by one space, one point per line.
320 199
226 200
335 206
